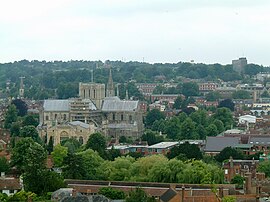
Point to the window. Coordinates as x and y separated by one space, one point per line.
130 118
226 171
11 191
65 117
55 116
113 117
122 117
47 118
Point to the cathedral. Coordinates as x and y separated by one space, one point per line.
97 109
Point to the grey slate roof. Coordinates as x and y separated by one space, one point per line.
56 105
217 144
79 123
114 104
259 141
168 195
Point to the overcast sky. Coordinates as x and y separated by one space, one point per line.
208 31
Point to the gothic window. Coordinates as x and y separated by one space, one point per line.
122 117
65 117
113 117
81 140
130 118
94 93
55 116
47 118
84 93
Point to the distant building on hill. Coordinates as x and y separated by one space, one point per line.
239 64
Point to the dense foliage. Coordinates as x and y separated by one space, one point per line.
60 79
197 125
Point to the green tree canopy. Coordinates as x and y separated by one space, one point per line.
30 131
58 155
212 96
20 106
152 116
228 103
241 94
152 137
228 152
191 151
190 89
11 116
111 193
97 142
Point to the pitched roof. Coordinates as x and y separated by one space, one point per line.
79 123
217 144
163 145
114 104
10 184
56 105
259 140
168 195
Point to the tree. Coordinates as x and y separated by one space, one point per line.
30 131
20 106
152 137
241 94
97 142
15 129
111 193
228 103
29 158
238 180
73 167
191 151
11 116
28 155
50 145
211 130
29 120
4 165
212 96
58 155
228 152
225 116
152 116
122 139
138 195
219 124
190 89
188 130
72 144
178 103
265 168
91 163
173 128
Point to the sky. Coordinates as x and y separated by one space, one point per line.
206 31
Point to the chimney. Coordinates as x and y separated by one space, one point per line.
3 174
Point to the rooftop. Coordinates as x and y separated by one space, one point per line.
56 105
163 145
114 104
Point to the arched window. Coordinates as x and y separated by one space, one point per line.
81 140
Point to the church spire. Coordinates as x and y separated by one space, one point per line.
110 87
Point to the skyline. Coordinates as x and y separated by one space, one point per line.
153 31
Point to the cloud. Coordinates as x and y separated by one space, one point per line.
157 30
